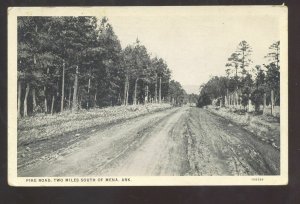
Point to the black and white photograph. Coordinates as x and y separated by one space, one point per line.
189 95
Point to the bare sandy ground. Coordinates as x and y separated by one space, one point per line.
174 142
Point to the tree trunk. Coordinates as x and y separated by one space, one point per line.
19 98
146 94
155 91
33 100
237 100
135 90
127 92
25 100
232 100
52 104
75 99
95 99
249 104
272 102
275 99
33 90
159 93
45 99
89 86
119 102
265 103
70 94
80 101
227 96
126 87
228 100
62 88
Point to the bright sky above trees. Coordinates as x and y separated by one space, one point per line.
197 46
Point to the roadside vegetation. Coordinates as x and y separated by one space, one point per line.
265 127
246 87
44 127
249 95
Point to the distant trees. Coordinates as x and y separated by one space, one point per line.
216 87
176 93
193 98
204 99
152 75
160 77
260 84
77 62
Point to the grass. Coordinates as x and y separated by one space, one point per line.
41 126
265 127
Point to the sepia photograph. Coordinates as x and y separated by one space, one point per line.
188 95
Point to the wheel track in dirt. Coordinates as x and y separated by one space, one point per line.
116 148
240 147
177 142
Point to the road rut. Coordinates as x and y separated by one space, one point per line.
174 142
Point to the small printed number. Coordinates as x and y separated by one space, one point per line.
257 179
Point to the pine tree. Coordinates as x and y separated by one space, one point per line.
273 71
79 61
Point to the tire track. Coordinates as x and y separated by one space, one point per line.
181 141
237 148
100 149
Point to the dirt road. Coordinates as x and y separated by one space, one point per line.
177 141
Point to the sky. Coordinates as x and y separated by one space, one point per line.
196 45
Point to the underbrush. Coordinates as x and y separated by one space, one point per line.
265 127
41 126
